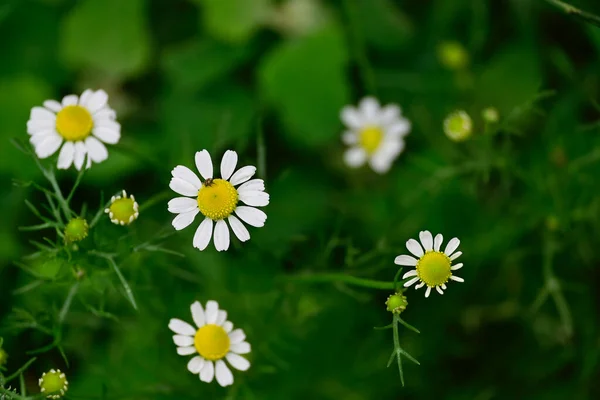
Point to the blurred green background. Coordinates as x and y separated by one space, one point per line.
268 79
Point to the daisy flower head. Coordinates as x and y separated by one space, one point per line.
433 268
78 126
375 134
212 341
217 199
123 209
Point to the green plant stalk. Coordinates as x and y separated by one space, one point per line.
576 12
340 277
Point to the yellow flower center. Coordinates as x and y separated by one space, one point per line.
122 210
212 342
74 123
433 268
217 199
370 138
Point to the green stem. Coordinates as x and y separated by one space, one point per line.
339 277
569 9
397 346
20 370
157 198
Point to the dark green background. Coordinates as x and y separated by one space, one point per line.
221 74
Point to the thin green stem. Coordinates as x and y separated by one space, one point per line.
65 308
340 277
20 370
397 346
157 198
576 12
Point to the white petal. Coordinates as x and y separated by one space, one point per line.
241 348
254 185
238 362
43 114
369 107
183 340
96 150
451 246
70 100
180 205
203 234
107 123
39 137
37 126
184 219
456 278
212 311
426 240
228 326
238 228
80 153
85 96
349 138
389 114
228 163
65 158
411 282
208 372
107 135
351 117
252 216
53 105
437 242
255 199
428 291
186 351
187 175
242 175
444 286
48 146
414 247
105 113
224 375
237 336
181 327
399 129
198 314
381 163
457 267
412 272
455 255
420 285
405 260
97 101
183 187
221 317
204 164
221 238
355 157
195 364
439 290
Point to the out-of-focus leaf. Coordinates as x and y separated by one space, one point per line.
305 81
382 22
109 36
198 63
233 20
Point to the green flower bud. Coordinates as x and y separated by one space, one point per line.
453 55
3 357
396 303
490 114
123 210
458 126
54 383
76 230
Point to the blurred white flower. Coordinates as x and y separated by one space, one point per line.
432 266
83 124
217 200
375 134
212 340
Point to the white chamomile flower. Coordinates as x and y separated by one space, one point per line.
81 125
375 134
432 266
123 209
217 200
212 341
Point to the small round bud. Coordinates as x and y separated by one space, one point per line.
76 230
396 303
458 126
123 210
552 223
54 383
3 357
453 55
490 115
